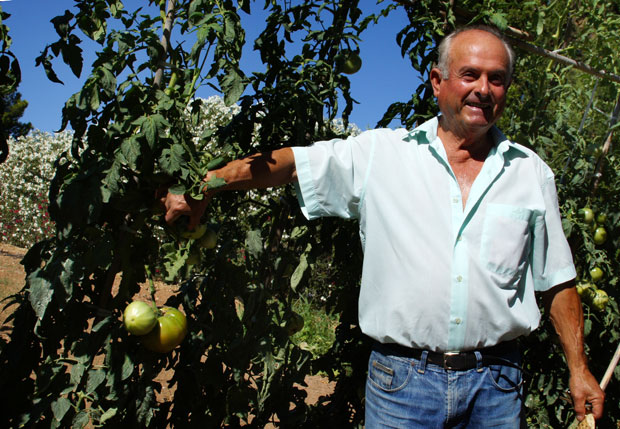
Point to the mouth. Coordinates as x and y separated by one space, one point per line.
481 106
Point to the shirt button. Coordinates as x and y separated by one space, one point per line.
459 279
458 320
455 200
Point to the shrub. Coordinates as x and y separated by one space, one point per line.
24 185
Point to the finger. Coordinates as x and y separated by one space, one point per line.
579 404
597 408
176 206
198 209
171 217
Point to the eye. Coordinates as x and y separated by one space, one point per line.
469 76
498 80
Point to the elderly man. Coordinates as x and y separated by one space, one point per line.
460 229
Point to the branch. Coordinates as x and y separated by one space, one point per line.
564 60
518 37
606 148
165 41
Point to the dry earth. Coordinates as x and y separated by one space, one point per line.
12 280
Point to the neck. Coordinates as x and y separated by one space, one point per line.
469 145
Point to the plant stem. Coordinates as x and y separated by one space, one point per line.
165 41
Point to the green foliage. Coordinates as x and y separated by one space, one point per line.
137 128
12 108
10 105
318 333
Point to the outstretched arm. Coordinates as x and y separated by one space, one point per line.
564 307
262 170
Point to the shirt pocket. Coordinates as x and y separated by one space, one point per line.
505 241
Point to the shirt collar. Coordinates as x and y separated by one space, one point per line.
426 133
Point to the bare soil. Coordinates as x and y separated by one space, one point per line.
12 280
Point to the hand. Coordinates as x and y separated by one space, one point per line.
584 389
183 205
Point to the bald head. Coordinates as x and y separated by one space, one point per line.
443 62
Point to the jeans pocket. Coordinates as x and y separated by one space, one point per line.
505 378
388 373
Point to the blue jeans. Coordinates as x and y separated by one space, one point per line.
403 392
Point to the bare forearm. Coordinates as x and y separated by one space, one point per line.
566 314
262 170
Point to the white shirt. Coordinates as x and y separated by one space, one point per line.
437 276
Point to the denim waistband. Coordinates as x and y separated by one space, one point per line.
500 354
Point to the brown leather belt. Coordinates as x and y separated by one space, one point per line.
459 361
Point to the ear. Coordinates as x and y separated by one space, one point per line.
435 78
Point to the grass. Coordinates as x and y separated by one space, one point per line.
318 333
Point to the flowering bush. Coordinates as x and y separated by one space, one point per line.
24 185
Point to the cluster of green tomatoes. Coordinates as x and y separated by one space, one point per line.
588 290
203 238
159 329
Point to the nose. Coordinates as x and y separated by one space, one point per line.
482 89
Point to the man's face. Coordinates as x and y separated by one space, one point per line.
472 97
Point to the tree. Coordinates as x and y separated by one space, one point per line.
12 108
10 76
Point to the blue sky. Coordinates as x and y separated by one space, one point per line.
385 76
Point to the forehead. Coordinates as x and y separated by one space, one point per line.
477 48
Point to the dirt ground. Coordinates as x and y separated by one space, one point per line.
12 278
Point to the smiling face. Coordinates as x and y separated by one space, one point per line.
473 95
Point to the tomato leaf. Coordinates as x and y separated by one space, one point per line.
60 407
40 292
172 159
81 419
77 372
110 412
254 243
145 404
129 152
233 83
127 368
303 265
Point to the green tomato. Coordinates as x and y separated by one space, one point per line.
600 235
601 218
294 323
596 273
168 333
208 240
193 258
196 233
349 62
587 215
600 299
139 318
585 290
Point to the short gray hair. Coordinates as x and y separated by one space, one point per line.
443 50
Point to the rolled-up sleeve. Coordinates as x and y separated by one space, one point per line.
330 177
552 259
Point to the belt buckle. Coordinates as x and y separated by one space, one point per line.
446 357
